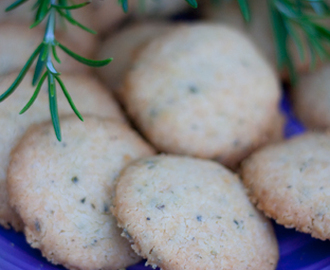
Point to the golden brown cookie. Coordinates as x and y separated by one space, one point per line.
63 190
122 46
289 182
185 213
203 90
89 96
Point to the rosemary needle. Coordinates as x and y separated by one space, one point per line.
46 52
299 20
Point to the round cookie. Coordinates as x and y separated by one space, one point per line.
290 183
122 46
259 28
19 42
209 86
87 93
185 213
63 190
311 98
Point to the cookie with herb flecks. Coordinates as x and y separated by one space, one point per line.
186 213
289 182
123 45
209 86
87 93
63 190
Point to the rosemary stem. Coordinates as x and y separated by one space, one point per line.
50 28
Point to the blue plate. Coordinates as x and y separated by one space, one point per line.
298 251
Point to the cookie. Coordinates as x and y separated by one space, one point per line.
185 213
18 43
63 191
122 46
289 182
310 99
209 86
87 93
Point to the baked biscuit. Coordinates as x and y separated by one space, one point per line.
123 46
63 191
203 90
89 96
289 182
310 99
185 213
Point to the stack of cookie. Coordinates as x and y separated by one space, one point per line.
205 98
201 90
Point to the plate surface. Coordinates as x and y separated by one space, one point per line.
298 251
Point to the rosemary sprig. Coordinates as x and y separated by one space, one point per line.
46 52
124 4
300 21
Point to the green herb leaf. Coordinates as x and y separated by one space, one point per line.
35 94
192 3
124 5
36 23
245 10
21 75
89 62
53 106
297 41
68 97
15 5
319 7
39 67
36 5
73 6
58 60
42 10
74 22
280 33
51 68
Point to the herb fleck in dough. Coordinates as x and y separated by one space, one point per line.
210 87
99 102
186 213
64 195
289 182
